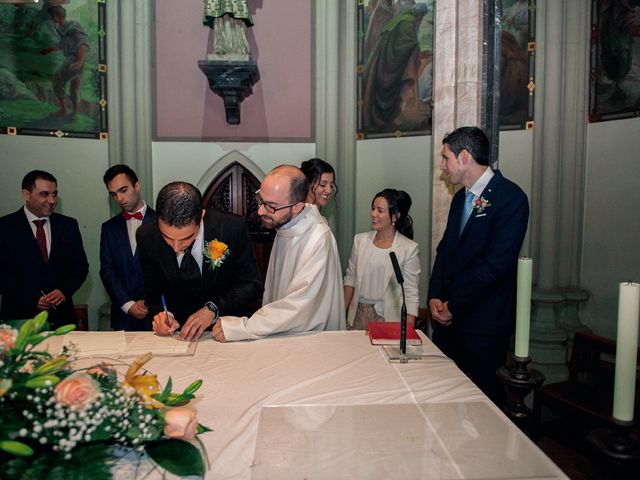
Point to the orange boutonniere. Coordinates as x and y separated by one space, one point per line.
215 252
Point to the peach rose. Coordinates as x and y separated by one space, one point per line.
180 423
78 390
7 339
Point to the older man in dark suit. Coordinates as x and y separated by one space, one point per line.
120 268
201 261
42 260
473 283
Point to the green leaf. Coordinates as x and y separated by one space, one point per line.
23 334
36 339
39 321
16 448
176 456
193 388
175 400
64 330
51 366
203 429
165 393
41 381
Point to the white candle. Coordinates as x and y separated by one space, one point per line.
523 307
626 351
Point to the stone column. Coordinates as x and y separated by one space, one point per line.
335 83
562 46
129 47
457 90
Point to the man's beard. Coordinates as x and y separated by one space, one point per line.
271 223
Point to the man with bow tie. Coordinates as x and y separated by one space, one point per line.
120 268
472 289
42 260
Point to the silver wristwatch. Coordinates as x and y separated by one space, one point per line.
214 308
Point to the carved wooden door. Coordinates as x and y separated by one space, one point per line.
233 190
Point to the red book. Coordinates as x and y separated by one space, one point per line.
388 333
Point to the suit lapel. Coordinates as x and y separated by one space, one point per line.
388 269
211 231
487 194
122 237
456 212
57 236
29 239
149 216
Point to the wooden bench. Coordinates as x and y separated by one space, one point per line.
588 393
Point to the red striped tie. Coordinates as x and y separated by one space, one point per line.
41 238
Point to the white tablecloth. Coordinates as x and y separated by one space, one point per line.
329 405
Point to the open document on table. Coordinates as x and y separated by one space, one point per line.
117 344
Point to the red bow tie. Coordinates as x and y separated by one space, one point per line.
129 216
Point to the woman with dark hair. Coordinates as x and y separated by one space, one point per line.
322 181
371 291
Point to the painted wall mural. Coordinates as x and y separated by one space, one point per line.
53 69
395 61
615 60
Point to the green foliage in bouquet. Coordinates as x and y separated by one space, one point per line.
58 422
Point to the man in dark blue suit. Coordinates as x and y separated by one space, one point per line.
120 268
473 282
42 260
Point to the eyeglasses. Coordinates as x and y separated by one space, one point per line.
270 208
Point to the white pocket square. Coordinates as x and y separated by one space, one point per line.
481 215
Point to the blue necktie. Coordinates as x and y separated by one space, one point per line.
468 208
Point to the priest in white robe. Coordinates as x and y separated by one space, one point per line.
303 289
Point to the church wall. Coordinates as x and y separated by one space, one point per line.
190 161
610 252
186 109
515 162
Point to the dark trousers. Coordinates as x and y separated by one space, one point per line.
478 356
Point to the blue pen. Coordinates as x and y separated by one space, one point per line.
166 312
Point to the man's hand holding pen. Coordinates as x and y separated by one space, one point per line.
164 323
49 301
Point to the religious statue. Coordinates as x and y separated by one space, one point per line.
228 19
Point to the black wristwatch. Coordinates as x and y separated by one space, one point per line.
214 308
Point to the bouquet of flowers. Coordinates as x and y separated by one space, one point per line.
61 422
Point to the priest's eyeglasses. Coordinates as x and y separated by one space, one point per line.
271 208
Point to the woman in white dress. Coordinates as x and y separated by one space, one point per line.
322 181
371 291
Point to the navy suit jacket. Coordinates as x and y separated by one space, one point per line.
233 287
476 271
121 272
24 274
